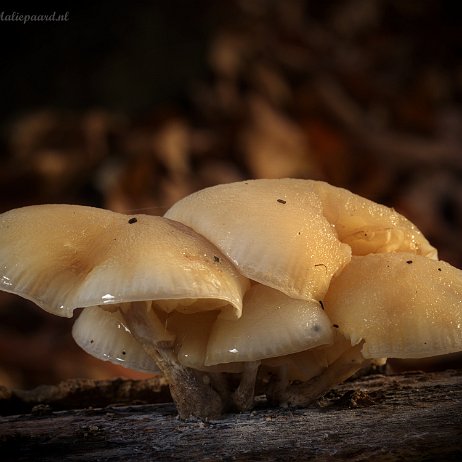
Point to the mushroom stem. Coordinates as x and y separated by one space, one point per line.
302 394
193 391
244 394
277 386
146 325
210 392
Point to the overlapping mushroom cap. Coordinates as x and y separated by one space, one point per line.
274 232
368 227
63 257
272 324
105 335
295 235
401 305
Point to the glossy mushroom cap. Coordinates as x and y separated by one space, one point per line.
62 257
272 324
368 227
105 335
295 235
401 305
274 231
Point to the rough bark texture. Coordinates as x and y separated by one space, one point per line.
415 416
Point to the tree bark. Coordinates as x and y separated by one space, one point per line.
413 416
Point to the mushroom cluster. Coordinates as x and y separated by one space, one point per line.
278 287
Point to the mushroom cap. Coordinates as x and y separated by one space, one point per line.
105 335
368 227
192 335
63 256
274 231
401 304
290 234
272 324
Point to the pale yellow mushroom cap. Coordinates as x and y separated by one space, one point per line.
274 231
290 234
272 324
105 335
191 338
368 227
401 304
63 256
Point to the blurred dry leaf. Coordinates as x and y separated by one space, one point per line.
354 92
274 146
172 144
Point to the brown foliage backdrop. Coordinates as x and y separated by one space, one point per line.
131 108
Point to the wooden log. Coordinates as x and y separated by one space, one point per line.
413 416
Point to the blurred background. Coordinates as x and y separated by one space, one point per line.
131 107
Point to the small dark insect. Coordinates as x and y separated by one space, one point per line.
282 201
322 304
132 220
409 262
124 352
216 259
335 325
